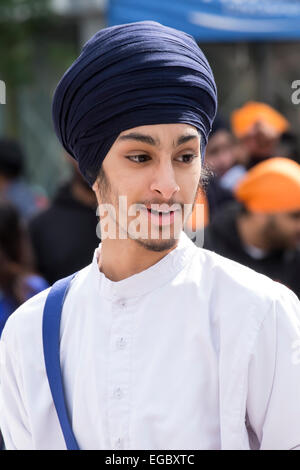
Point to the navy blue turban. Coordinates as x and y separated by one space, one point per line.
127 76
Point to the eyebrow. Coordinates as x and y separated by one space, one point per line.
148 139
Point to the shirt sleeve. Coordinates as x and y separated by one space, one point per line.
273 401
14 423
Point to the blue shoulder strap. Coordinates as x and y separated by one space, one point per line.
51 343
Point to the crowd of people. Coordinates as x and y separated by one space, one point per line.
251 200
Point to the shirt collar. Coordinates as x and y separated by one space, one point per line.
149 279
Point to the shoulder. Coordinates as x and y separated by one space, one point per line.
26 318
235 290
226 271
250 314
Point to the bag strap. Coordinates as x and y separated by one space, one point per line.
51 344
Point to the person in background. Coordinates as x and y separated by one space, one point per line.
262 229
220 159
18 281
259 128
219 151
67 229
13 187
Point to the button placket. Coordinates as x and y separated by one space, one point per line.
121 343
118 393
119 374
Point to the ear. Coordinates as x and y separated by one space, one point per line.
95 186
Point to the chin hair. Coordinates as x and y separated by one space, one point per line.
162 245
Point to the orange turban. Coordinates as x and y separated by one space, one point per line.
243 119
271 186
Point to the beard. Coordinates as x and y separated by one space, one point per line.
158 245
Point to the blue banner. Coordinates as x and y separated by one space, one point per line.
215 20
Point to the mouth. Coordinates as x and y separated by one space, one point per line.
153 211
161 217
162 208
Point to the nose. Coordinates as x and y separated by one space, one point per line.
164 181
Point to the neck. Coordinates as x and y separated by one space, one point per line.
121 259
250 234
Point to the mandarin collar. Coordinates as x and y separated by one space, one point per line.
149 279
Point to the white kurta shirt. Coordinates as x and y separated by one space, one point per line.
174 357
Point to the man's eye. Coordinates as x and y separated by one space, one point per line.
188 158
138 158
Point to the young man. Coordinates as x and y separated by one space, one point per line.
162 345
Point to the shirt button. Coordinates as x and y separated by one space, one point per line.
121 343
118 393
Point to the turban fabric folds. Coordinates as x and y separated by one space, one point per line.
271 186
127 76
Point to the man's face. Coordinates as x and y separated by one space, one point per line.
283 230
262 140
156 166
219 153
